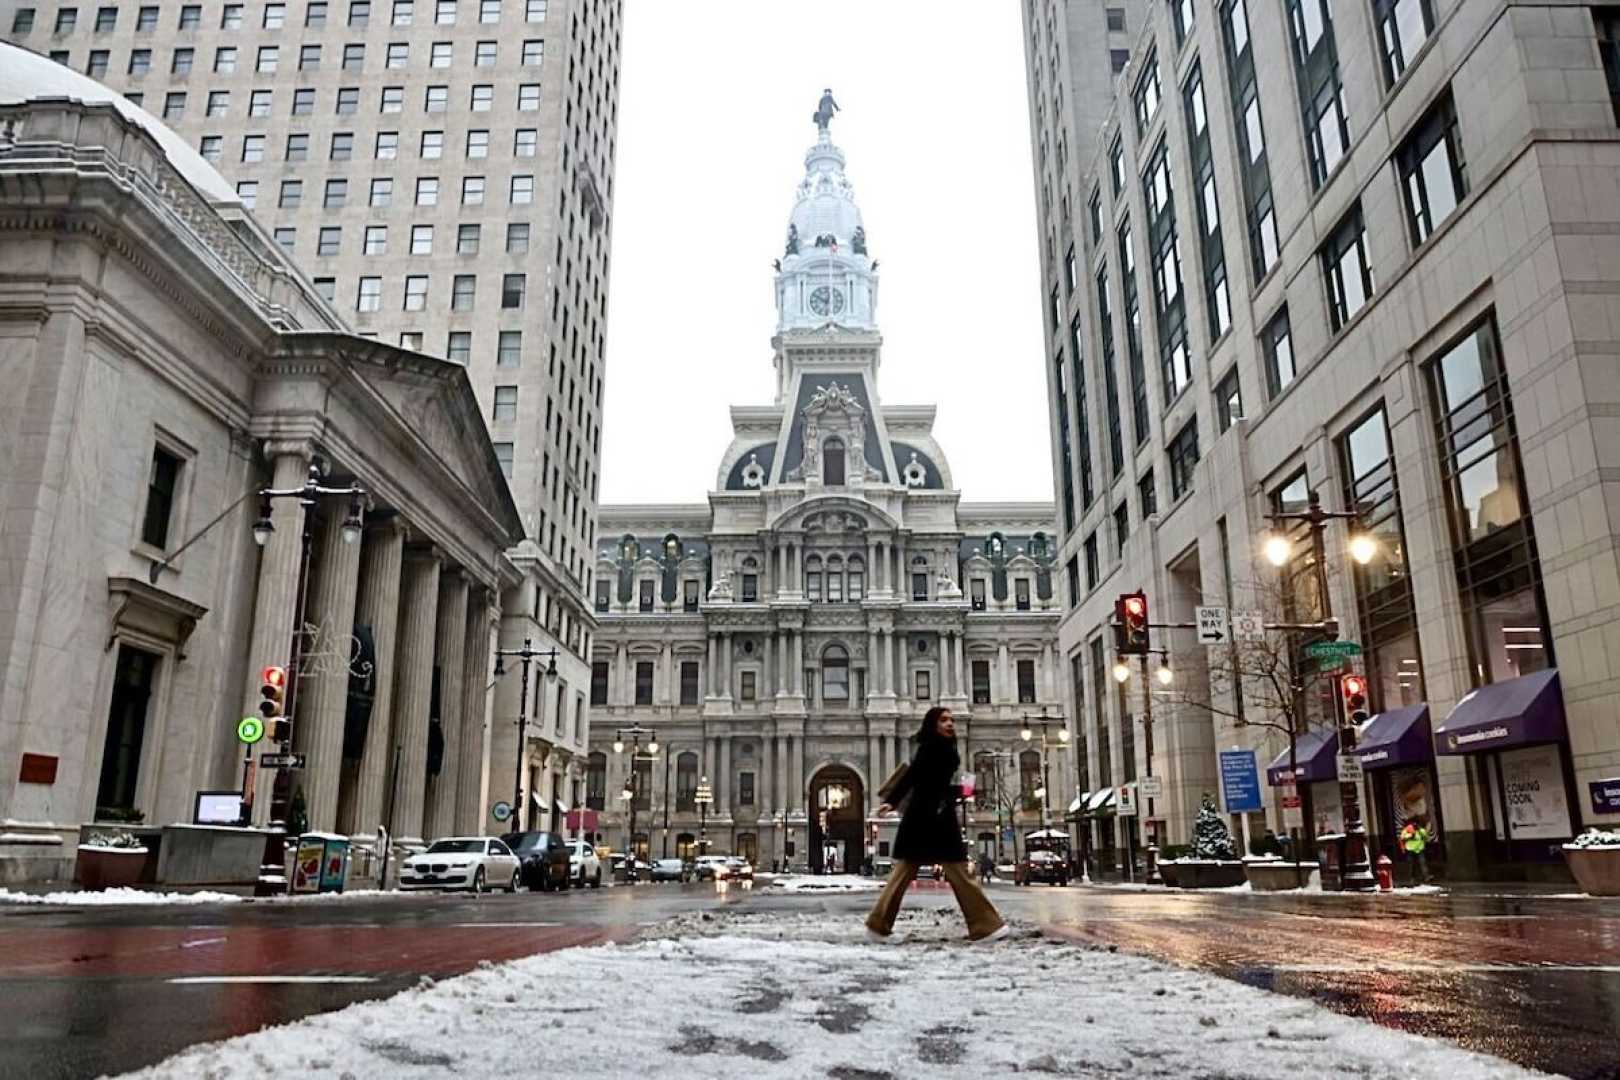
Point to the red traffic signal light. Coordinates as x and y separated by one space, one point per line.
272 696
1353 693
1131 621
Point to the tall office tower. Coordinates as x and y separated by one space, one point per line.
443 172
1352 258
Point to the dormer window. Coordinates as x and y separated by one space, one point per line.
832 463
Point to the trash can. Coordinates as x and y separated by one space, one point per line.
322 863
1330 858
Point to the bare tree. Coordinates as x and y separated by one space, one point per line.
1267 683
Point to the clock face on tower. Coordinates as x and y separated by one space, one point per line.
826 300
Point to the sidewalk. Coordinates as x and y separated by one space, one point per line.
791 996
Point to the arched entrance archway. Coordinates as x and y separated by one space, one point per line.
837 818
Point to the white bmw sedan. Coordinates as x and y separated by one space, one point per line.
478 863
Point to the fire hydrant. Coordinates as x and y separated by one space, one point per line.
1386 873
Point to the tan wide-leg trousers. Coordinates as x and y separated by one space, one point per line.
977 909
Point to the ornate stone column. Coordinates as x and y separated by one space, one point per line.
1006 691
961 665
378 608
796 780
475 700
413 687
326 686
711 675
450 648
722 786
275 605
873 686
784 795
725 665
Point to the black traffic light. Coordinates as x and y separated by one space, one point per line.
1353 696
1131 625
272 695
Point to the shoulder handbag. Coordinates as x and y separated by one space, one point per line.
887 788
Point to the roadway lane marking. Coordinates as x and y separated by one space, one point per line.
201 941
209 980
480 925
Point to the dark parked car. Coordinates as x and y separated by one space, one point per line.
544 858
671 870
1045 866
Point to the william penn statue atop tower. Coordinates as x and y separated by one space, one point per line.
824 111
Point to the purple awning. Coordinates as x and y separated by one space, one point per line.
1518 712
1318 755
1396 737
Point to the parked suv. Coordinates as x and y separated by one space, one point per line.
584 866
544 858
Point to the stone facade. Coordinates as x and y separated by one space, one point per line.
443 171
167 363
1403 303
781 643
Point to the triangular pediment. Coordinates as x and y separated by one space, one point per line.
428 409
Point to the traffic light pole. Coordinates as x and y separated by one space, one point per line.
1355 870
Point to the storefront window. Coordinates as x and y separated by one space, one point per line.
1498 571
1383 589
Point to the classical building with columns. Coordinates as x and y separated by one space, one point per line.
165 362
780 643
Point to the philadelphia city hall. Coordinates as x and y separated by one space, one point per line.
764 659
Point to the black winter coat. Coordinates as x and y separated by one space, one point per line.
929 831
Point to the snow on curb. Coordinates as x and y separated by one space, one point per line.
110 897
771 997
146 897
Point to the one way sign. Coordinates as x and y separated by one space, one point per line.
1212 626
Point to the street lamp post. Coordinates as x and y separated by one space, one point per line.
309 495
1028 735
632 784
703 798
1355 872
528 653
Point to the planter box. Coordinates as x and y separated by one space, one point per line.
210 857
1170 874
1280 876
1208 874
99 868
1596 869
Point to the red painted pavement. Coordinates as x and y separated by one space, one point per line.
163 952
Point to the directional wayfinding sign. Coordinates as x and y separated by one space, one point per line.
250 729
1248 626
283 761
1212 627
1240 781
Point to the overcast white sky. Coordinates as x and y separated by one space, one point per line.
714 120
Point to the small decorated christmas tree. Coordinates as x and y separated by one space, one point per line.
1211 838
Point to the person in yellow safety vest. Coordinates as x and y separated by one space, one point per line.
1414 839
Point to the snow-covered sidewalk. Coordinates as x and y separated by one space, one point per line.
792 996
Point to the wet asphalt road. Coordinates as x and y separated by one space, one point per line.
88 991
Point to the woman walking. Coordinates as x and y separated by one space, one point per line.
929 834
